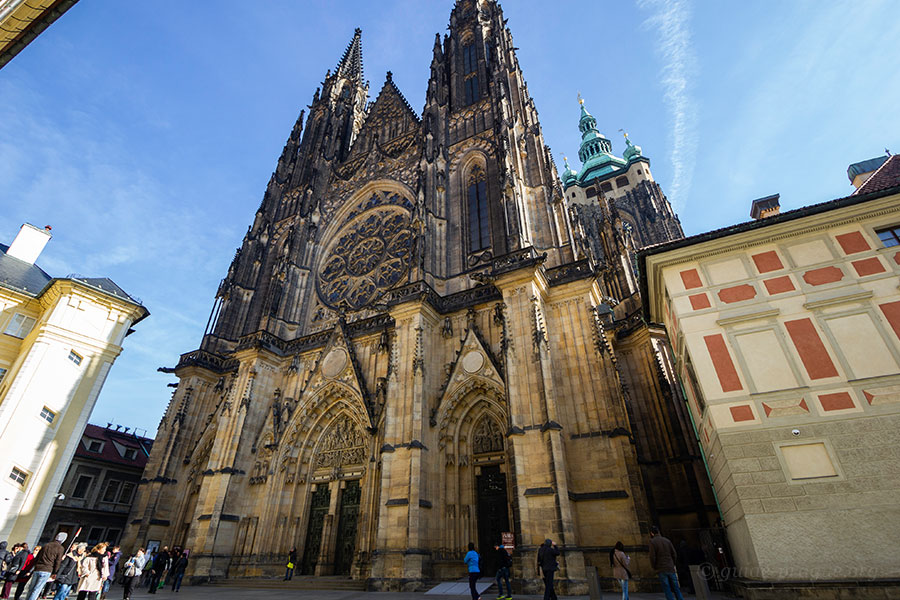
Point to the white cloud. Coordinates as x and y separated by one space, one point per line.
670 18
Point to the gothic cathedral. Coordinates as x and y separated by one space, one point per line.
427 338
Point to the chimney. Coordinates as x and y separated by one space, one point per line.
29 243
765 207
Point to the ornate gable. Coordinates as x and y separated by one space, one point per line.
337 370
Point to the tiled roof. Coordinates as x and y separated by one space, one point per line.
20 275
107 285
110 453
887 176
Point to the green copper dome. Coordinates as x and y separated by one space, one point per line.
568 175
631 152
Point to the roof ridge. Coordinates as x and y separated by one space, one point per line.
873 175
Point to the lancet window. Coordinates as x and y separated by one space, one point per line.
479 222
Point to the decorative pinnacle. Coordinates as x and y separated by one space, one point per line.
580 99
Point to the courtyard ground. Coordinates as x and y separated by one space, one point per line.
240 593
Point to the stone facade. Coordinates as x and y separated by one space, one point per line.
411 351
786 333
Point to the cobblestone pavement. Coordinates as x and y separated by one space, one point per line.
240 593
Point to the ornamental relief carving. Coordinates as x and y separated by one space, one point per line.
486 436
343 444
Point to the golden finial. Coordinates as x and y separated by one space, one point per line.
580 99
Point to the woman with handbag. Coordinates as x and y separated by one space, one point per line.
618 560
134 567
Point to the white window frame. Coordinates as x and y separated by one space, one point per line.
91 440
16 327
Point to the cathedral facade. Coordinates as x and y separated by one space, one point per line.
428 339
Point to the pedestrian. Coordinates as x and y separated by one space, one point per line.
472 563
292 559
14 564
45 565
504 562
146 570
67 575
92 570
25 573
133 568
547 562
178 570
113 556
159 566
5 558
619 561
662 559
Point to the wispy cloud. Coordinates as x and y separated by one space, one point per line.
671 18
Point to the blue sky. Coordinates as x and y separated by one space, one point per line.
145 132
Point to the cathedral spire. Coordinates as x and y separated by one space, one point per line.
350 65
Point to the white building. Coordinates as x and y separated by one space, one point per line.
58 339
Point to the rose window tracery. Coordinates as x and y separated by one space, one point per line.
370 254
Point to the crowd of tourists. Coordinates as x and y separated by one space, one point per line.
663 559
56 571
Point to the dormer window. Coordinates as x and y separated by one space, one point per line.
94 446
130 453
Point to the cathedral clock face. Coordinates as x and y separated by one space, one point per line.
369 254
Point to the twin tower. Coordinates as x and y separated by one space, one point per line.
427 339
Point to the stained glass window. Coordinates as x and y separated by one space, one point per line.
479 222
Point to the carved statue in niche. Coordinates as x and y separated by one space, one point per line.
343 444
487 437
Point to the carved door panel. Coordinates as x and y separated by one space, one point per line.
493 514
318 508
345 546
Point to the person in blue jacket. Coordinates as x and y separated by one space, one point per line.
471 559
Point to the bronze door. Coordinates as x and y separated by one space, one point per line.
346 531
493 515
318 508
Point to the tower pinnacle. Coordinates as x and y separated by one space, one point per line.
350 65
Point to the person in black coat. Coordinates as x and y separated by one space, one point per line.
504 562
15 560
160 564
67 575
546 559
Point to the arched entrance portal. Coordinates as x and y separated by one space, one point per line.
335 464
475 484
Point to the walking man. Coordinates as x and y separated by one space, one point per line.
504 562
662 559
547 562
46 564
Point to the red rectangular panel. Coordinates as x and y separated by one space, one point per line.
779 285
853 242
891 312
691 279
811 349
837 401
699 301
868 266
718 351
767 261
741 413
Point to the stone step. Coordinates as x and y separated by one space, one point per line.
297 583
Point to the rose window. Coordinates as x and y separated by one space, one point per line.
369 255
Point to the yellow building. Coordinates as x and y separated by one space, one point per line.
58 339
21 21
786 332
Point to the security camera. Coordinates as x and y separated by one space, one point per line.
60 497
795 432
